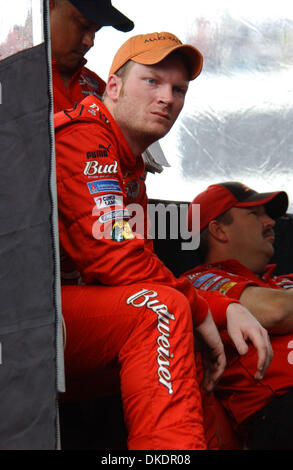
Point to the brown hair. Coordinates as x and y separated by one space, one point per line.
122 73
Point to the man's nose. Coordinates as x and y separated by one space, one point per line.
166 94
88 38
268 221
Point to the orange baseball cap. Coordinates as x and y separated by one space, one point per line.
150 49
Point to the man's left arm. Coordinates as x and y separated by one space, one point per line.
272 307
243 328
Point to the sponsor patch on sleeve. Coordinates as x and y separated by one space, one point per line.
200 280
102 186
284 285
226 287
210 282
220 283
284 282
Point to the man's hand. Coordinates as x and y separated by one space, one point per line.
242 327
208 341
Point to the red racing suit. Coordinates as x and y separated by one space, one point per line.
240 393
83 83
128 313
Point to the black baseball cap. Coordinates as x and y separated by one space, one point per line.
102 12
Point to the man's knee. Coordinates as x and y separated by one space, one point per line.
170 306
158 296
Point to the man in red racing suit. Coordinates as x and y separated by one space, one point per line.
84 82
74 24
129 313
247 278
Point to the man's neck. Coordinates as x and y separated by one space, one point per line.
136 144
67 74
66 78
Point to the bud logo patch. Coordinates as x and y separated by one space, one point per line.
93 168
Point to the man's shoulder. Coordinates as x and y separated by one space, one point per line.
91 109
285 281
85 71
91 81
219 276
231 266
205 274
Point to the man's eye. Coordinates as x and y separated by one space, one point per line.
83 26
180 90
152 81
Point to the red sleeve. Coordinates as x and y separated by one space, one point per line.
219 289
87 225
218 304
285 281
85 82
217 280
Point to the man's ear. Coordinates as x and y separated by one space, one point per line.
218 231
113 87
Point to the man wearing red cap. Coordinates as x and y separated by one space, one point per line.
237 235
74 24
129 315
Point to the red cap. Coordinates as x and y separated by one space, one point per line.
218 198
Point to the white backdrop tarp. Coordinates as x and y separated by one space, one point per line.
236 122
